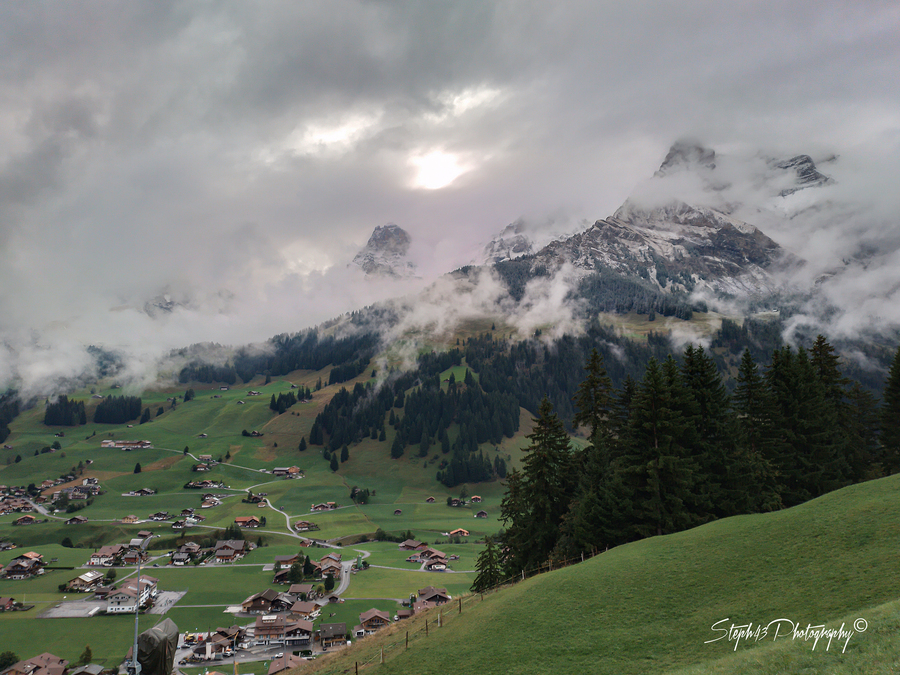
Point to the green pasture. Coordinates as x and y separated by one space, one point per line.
376 582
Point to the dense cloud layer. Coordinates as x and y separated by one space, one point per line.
235 156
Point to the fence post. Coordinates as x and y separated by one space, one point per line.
523 575
382 654
426 627
357 668
582 556
460 605
407 639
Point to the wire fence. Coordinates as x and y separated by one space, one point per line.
436 618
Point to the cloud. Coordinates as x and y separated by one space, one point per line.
237 156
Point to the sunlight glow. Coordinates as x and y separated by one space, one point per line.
436 170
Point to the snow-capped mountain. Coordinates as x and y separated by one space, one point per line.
523 237
385 254
685 229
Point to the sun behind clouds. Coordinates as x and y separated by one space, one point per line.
436 170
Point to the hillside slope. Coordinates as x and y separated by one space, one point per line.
649 607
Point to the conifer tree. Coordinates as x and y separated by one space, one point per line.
658 473
489 569
538 498
890 419
594 398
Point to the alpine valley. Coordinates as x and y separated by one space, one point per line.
576 439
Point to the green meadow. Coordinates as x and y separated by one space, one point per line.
246 464
651 606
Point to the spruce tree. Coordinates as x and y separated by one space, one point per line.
658 473
594 398
757 441
345 453
489 568
544 490
890 419
334 463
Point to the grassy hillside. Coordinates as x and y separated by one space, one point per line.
649 607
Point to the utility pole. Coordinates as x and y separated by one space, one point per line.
135 668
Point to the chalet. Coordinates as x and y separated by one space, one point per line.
7 604
438 596
459 532
398 512
286 661
204 458
180 559
327 506
453 501
25 520
260 603
132 591
216 643
301 590
331 634
24 566
330 567
405 614
160 516
436 565
210 503
247 521
107 555
130 519
412 545
305 526
476 499
429 553
287 560
178 525
76 520
134 556
85 582
230 549
269 629
43 664
372 620
304 610
144 534
187 512
280 471
143 492
190 548
481 514
281 576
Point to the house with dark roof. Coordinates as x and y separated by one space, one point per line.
437 596
412 545
269 629
332 634
228 550
371 620
260 603
42 664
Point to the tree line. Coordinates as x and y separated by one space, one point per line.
676 449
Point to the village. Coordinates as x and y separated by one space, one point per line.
274 624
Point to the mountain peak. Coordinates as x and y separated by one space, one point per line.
686 154
385 253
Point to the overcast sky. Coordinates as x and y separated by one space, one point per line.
239 154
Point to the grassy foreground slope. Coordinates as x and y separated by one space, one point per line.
649 607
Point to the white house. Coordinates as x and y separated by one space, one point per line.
123 598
